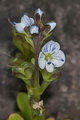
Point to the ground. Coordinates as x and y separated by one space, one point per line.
62 97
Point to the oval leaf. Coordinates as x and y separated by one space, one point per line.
23 104
15 116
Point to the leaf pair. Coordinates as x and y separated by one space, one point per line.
21 68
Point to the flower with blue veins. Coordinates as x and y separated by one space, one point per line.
51 56
31 23
25 22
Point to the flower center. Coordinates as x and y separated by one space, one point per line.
48 56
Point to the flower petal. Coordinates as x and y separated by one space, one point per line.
20 27
39 11
32 21
49 67
27 21
41 61
41 55
59 59
34 29
52 25
51 46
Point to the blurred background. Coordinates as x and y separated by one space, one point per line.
62 97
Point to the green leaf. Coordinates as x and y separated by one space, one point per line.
23 104
23 46
15 116
22 69
48 77
33 61
17 60
21 41
29 40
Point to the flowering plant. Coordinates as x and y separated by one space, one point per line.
37 56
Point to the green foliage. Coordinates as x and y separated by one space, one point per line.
24 106
48 77
15 116
24 44
21 68
17 60
24 71
33 61
29 40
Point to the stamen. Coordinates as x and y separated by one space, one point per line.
53 64
62 60
49 63
14 23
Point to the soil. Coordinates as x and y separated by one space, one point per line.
62 97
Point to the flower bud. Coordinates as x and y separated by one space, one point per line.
48 29
39 16
39 12
52 25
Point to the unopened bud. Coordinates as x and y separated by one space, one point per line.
39 16
52 25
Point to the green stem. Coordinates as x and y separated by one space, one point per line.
28 82
44 86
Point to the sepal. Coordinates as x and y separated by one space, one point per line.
48 77
40 17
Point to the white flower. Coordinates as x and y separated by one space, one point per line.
51 56
25 22
40 12
52 25
34 29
